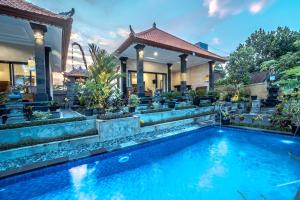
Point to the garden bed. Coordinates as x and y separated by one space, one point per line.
260 126
156 110
109 116
40 122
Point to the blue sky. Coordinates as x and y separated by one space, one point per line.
223 24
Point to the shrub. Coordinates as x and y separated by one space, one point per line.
133 100
40 122
109 116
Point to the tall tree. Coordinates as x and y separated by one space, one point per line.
240 63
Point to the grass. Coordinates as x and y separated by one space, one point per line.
31 142
176 118
40 122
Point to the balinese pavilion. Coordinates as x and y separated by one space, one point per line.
156 60
34 45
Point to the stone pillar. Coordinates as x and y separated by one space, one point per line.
48 72
39 52
140 69
169 76
211 76
183 68
123 61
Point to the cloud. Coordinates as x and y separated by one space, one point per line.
216 41
120 32
256 7
223 8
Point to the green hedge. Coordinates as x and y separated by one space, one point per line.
109 116
274 128
185 107
177 118
156 110
40 122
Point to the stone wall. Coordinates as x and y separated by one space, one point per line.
44 132
158 116
118 128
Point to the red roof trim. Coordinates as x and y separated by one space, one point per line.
140 38
17 8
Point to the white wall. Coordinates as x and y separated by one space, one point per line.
196 76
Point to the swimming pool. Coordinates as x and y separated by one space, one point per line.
201 164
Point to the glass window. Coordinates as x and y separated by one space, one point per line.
24 75
4 77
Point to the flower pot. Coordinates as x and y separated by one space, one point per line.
226 121
171 104
52 108
88 112
196 101
131 109
253 98
4 119
294 129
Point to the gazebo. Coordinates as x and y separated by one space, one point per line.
159 60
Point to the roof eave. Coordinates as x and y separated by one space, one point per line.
132 39
64 23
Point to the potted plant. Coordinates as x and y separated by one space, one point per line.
241 117
133 102
225 118
257 118
3 100
170 97
53 106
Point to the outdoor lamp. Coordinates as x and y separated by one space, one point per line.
141 53
38 32
183 76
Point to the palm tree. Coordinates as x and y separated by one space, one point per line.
104 74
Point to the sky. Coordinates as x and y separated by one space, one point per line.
222 24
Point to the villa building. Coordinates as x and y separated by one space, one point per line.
33 44
156 60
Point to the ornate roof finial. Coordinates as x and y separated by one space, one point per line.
69 14
131 30
154 25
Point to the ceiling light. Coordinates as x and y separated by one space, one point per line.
150 58
155 53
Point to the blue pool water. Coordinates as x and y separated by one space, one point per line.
202 164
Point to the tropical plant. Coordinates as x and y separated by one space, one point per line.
241 117
3 98
102 82
38 115
133 101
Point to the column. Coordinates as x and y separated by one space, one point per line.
48 72
39 52
123 61
140 69
169 76
183 58
211 75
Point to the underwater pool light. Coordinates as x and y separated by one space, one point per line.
123 159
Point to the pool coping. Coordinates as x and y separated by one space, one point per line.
261 129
